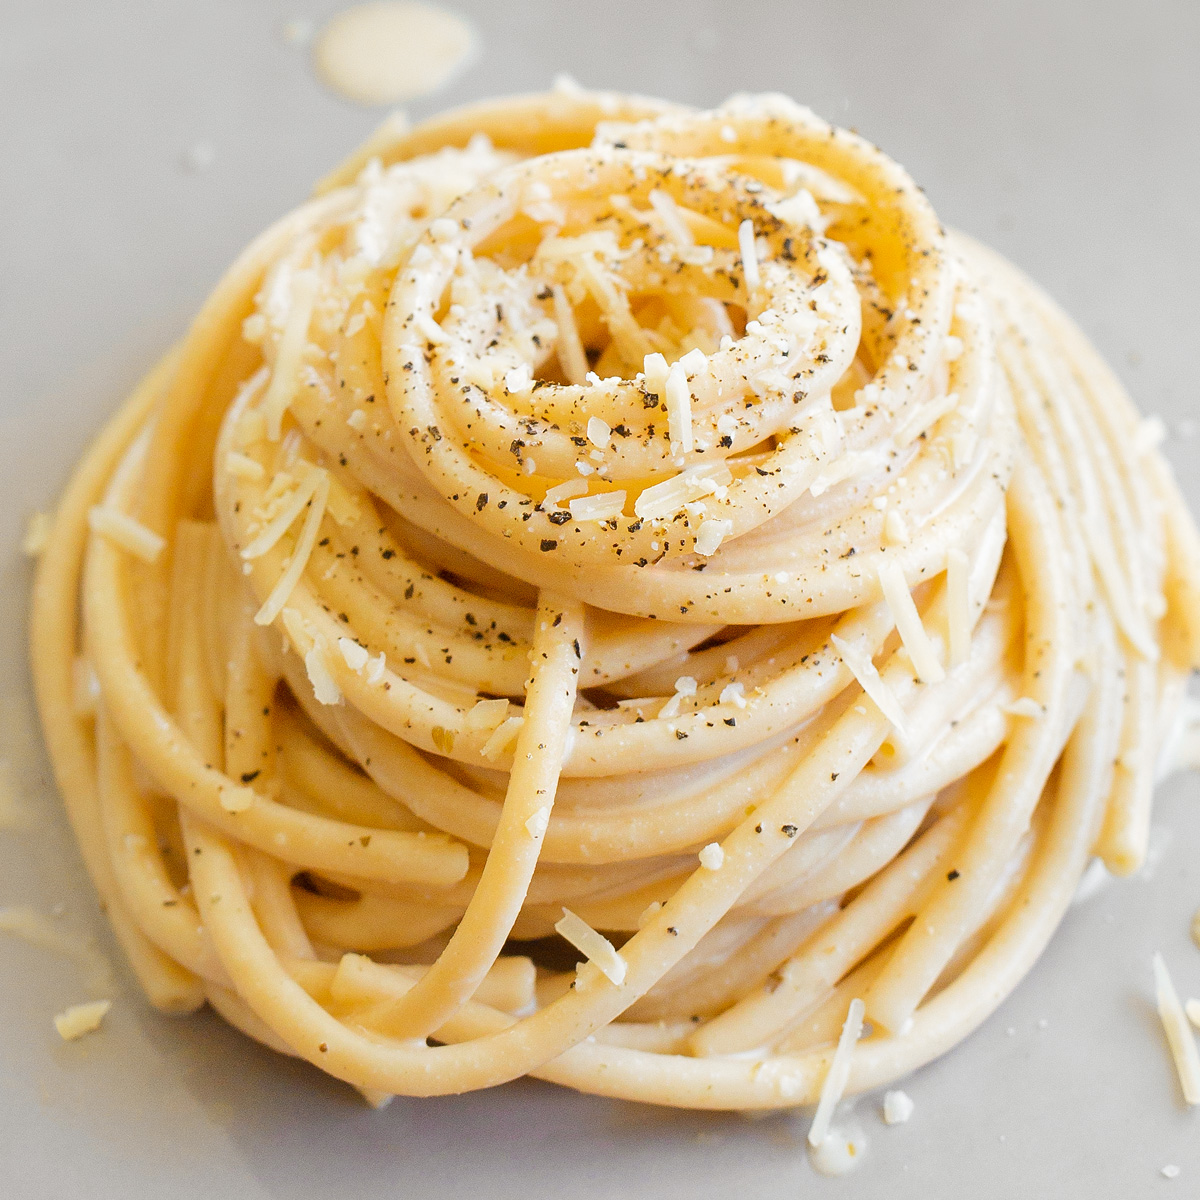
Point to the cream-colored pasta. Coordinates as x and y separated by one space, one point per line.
593 516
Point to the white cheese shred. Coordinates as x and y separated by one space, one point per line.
679 409
284 375
604 506
908 623
712 857
1179 1034
570 349
122 530
79 1019
838 1074
749 256
863 669
595 946
897 1107
282 591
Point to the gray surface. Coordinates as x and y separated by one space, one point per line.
1063 133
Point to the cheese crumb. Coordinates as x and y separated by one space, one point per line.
598 433
122 530
538 822
712 857
598 949
897 1107
79 1019
354 655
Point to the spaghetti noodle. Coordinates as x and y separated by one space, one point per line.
595 529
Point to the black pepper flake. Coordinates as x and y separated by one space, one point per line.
731 722
952 875
559 518
250 776
550 543
789 830
672 931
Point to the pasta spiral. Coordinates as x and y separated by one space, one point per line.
597 518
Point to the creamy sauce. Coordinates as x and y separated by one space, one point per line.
386 52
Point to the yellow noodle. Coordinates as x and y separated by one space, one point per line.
534 505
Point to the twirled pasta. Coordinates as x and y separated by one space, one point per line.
586 503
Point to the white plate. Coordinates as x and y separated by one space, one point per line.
1063 133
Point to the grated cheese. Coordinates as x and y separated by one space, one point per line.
679 409
668 497
836 1077
958 605
376 667
538 823
712 857
357 420
282 388
1026 706
325 687
1179 1034
564 491
354 655
711 534
908 623
122 530
863 669
895 531
504 735
242 466
79 1019
749 252
604 506
37 534
897 1107
674 224
570 349
486 714
733 693
654 373
597 948
598 433
284 518
282 591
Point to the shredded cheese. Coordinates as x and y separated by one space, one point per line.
679 409
242 466
571 357
284 376
538 823
325 687
958 605
486 714
712 857
354 655
595 946
282 591
283 519
603 506
504 735
122 530
668 497
897 1107
673 223
711 534
1179 1035
79 1019
908 623
863 669
834 1084
598 433
749 252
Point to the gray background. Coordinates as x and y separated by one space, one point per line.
1063 133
